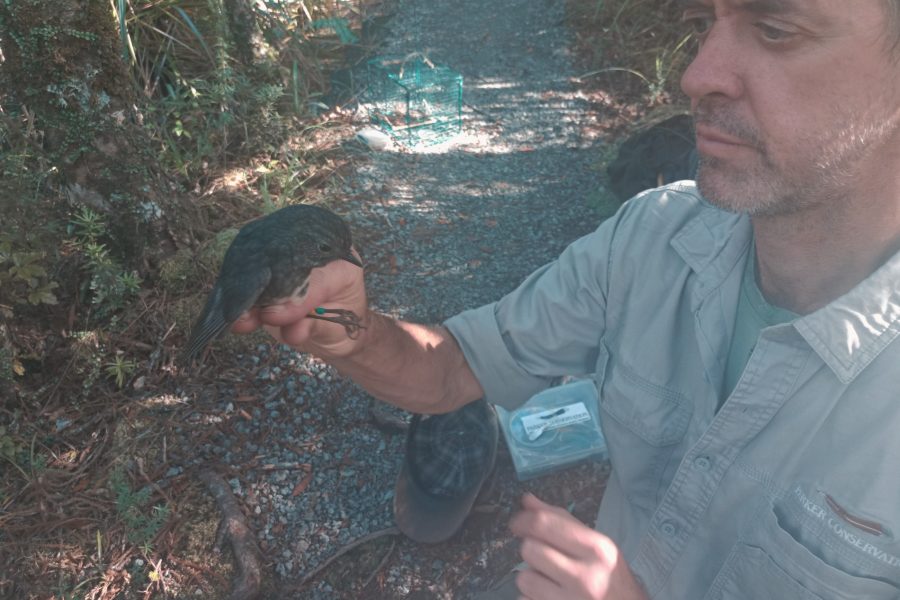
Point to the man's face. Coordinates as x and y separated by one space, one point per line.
796 101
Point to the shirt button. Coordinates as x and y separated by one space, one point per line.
668 528
703 463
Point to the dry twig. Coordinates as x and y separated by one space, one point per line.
344 550
240 536
384 560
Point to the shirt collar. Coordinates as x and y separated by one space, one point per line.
847 334
712 244
851 331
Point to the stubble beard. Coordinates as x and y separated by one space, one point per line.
755 189
824 168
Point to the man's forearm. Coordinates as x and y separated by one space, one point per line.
416 367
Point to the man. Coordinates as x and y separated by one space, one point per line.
743 344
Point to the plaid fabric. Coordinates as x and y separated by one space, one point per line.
448 453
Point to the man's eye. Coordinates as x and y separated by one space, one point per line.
773 34
699 25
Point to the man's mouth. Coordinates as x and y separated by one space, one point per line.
712 141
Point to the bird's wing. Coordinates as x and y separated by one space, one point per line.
228 299
242 290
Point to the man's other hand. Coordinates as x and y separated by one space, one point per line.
567 559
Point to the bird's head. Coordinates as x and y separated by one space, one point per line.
332 243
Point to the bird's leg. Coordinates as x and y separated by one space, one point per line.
347 318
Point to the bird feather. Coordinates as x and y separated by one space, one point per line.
228 299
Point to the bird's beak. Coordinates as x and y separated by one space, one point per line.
350 258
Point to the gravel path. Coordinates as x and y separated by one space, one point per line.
468 224
441 230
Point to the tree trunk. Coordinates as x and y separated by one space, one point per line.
242 28
64 75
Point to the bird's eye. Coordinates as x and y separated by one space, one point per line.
324 248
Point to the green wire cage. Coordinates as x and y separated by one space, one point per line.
415 101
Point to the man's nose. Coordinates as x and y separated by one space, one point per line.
717 67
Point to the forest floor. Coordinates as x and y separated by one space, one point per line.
310 458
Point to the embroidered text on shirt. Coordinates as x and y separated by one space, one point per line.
821 513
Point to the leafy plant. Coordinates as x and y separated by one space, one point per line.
9 363
109 286
23 277
133 508
9 446
120 369
641 38
340 27
25 459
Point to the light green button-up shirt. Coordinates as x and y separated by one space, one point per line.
790 490
754 313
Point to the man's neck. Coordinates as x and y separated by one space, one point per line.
807 259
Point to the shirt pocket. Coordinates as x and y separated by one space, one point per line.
767 563
643 423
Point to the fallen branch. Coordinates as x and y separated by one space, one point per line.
384 560
247 583
354 544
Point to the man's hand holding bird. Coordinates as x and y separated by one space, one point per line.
286 271
337 285
416 367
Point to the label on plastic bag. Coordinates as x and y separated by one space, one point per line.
554 418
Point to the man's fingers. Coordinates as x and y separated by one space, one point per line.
538 586
247 322
547 560
323 290
532 502
285 313
337 286
557 528
297 332
581 562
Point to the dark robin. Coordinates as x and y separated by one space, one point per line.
269 261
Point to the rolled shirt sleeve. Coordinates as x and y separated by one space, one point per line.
548 327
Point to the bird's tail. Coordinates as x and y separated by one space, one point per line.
208 327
